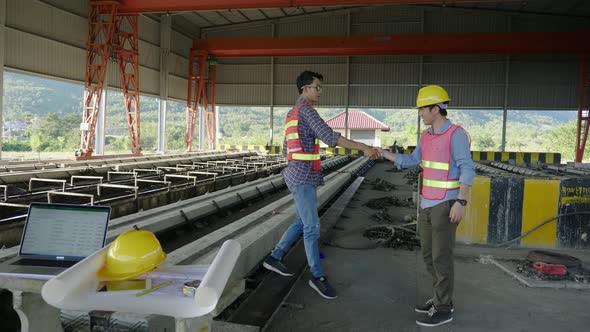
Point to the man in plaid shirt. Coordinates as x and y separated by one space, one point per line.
302 176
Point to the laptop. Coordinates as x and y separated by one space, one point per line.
57 236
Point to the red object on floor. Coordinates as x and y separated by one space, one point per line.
554 269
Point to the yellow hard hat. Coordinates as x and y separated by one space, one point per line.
134 252
431 95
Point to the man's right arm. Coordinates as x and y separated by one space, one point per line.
370 152
404 160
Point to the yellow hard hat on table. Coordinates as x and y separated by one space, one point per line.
133 253
431 95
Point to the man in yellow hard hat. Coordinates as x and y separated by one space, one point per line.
444 152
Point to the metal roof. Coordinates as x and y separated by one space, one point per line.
205 20
356 120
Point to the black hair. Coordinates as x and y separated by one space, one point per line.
306 78
441 111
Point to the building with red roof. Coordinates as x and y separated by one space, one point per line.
361 126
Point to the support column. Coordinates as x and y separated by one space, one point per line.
505 113
2 28
420 78
165 32
346 129
583 111
99 140
272 92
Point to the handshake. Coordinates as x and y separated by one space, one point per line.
378 153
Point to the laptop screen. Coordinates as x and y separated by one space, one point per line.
64 231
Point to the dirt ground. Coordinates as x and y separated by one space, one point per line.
379 287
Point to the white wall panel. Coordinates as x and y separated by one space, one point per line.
384 73
39 55
245 32
246 74
447 20
177 87
178 65
251 94
319 26
383 96
180 44
333 73
148 30
49 22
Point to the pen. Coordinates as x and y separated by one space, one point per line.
153 288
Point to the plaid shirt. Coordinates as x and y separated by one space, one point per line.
311 126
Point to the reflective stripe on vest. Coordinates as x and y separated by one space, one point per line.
436 161
435 165
294 148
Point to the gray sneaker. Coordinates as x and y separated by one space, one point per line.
323 287
275 265
425 308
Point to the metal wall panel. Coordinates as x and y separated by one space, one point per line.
149 55
243 94
538 96
465 73
532 23
180 44
383 96
246 74
311 60
447 20
333 73
49 22
317 26
385 73
244 32
36 54
474 96
387 20
178 65
148 30
332 96
177 87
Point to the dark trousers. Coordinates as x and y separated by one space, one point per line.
437 238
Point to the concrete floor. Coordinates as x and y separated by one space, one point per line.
378 288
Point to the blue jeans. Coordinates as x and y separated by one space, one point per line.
308 223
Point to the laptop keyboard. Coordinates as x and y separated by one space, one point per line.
44 262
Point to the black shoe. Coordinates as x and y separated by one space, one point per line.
425 308
435 317
323 287
275 265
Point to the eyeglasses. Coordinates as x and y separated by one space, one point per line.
317 87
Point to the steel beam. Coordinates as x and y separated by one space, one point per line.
159 6
436 43
583 111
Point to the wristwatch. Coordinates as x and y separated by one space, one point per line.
461 201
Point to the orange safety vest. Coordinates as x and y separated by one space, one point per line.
294 148
436 162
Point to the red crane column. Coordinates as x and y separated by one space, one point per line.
196 93
583 110
126 50
210 114
101 25
202 71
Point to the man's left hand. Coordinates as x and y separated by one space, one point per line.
457 211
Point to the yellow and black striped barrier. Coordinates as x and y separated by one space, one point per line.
520 158
502 208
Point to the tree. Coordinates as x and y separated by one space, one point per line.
563 140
